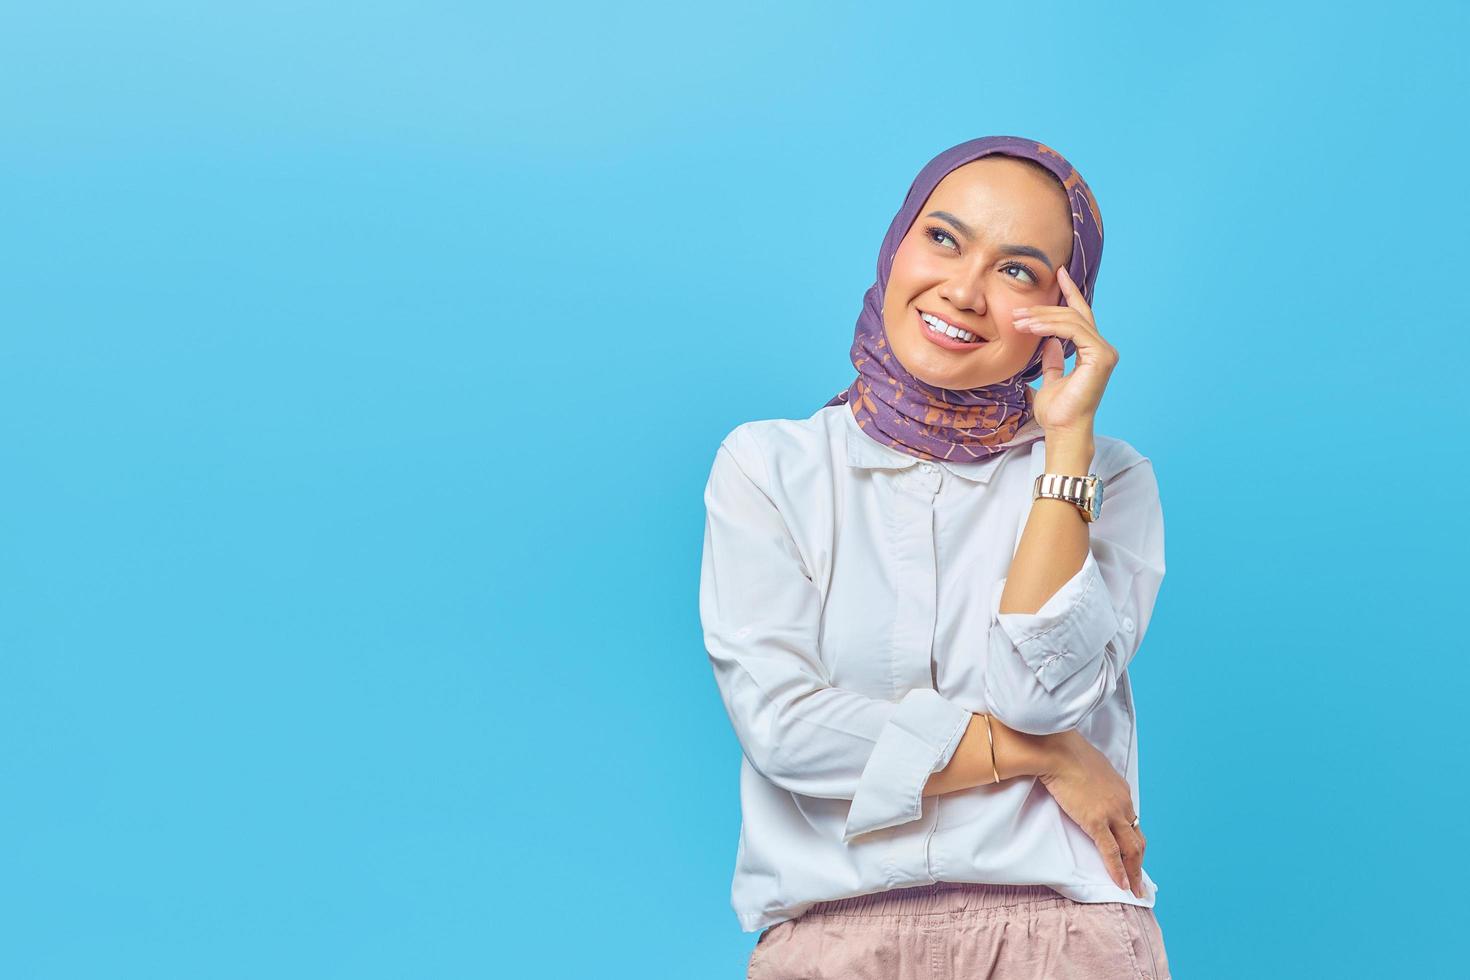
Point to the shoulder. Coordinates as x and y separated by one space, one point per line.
788 453
1126 473
1114 456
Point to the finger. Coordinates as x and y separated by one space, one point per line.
1112 854
1034 320
1053 361
1022 312
1072 326
1073 292
1131 844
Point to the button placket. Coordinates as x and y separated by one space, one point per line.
912 530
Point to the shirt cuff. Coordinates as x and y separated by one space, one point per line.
1068 632
918 740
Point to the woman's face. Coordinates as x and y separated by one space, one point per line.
989 239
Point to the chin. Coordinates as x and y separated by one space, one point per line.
954 380
958 384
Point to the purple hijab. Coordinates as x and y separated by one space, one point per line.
959 425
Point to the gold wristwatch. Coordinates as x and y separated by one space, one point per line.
1084 491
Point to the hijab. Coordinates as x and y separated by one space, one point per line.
969 424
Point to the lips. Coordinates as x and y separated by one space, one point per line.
948 343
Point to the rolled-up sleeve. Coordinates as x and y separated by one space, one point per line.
761 611
1047 670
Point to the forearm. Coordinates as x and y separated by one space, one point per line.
1053 547
1055 541
1016 754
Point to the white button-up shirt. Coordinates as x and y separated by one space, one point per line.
849 596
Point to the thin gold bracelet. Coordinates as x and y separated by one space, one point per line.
991 738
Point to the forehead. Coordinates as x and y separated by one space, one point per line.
1006 200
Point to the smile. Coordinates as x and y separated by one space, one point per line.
947 335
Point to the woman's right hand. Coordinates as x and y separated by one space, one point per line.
1087 787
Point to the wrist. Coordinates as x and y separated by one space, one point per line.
1070 455
1020 753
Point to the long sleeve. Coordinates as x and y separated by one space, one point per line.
1047 670
761 612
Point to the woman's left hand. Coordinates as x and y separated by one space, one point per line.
1089 790
1066 406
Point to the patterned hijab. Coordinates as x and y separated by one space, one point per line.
959 425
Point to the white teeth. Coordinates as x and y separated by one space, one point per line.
939 326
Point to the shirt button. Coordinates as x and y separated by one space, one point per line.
1128 624
927 467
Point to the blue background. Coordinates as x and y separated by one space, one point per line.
361 366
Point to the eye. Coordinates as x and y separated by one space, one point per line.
933 229
1025 269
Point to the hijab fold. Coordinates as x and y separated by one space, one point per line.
970 424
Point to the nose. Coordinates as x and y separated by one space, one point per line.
964 292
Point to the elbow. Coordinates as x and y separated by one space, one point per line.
770 766
761 751
1027 705
1034 718
796 772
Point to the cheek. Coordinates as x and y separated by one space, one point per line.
903 276
917 263
1004 322
1017 346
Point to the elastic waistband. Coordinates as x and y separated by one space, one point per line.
941 896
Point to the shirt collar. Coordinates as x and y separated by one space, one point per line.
868 453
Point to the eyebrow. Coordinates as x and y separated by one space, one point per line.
969 232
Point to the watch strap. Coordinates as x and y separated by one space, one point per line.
1076 490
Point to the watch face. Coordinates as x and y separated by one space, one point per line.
1097 495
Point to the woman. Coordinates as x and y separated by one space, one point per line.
920 630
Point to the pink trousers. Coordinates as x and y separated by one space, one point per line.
961 931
